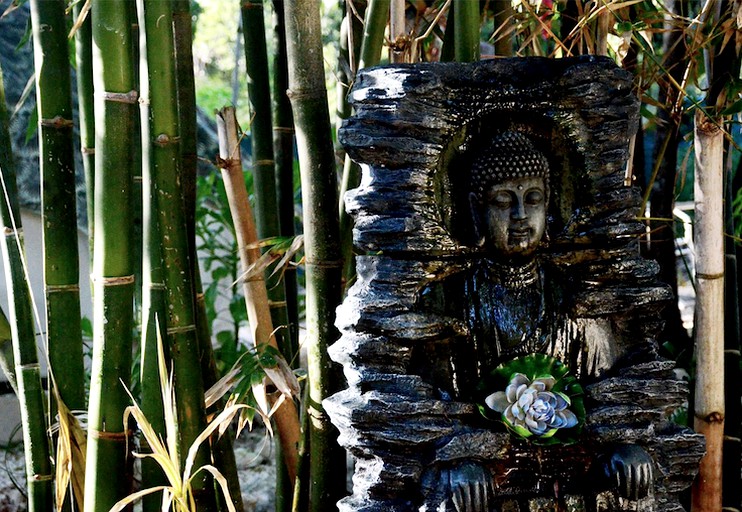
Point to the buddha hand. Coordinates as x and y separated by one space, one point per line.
630 469
471 487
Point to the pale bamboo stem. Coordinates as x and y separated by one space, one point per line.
709 397
397 29
256 295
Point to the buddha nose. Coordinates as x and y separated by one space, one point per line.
519 211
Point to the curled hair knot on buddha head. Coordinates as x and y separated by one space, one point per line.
508 155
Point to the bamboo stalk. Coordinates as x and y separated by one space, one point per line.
466 31
397 30
84 68
222 446
283 149
321 242
59 210
709 323
154 297
503 17
171 219
256 295
23 331
113 269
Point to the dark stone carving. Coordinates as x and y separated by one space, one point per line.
456 278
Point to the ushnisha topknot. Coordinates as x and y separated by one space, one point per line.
508 155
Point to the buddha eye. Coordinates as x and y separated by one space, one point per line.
501 199
534 197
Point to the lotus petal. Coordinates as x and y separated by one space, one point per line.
497 401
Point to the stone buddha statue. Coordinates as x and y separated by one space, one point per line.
513 305
493 225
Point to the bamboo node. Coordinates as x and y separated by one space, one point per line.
706 123
111 436
157 286
277 303
284 129
131 97
324 263
709 277
181 329
317 93
113 281
225 163
28 367
263 162
42 478
13 232
164 139
87 151
58 122
57 288
714 417
249 5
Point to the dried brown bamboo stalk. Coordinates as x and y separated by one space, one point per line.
256 295
709 241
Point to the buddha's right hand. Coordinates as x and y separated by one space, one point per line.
471 487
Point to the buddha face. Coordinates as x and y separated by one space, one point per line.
514 217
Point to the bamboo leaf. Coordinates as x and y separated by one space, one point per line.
283 377
133 498
80 19
24 96
222 386
226 415
222 484
70 460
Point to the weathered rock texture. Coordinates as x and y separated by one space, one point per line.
411 133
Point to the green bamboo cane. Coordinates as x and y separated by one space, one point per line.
84 68
113 269
165 162
321 241
447 48
283 149
503 15
372 41
222 446
27 371
154 297
466 31
59 210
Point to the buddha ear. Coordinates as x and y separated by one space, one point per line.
475 208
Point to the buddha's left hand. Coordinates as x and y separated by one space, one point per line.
630 468
471 487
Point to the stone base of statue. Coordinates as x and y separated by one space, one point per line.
438 312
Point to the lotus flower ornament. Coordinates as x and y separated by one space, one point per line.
533 407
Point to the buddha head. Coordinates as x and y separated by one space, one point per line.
509 196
